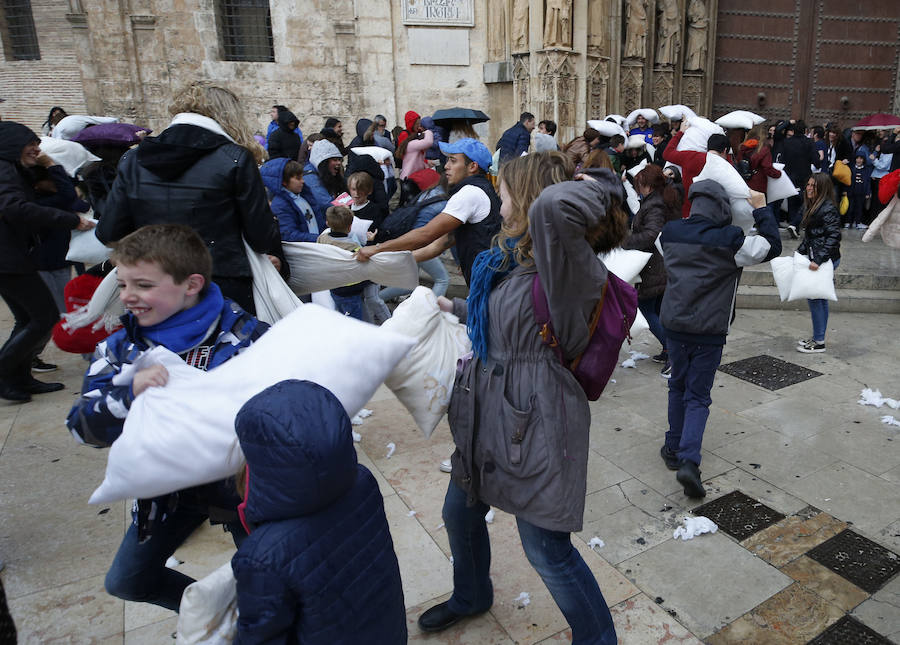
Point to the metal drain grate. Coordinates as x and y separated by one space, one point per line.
849 631
738 515
858 559
769 372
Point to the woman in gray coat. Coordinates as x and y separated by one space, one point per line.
520 420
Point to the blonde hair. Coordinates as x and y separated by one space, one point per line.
525 178
222 106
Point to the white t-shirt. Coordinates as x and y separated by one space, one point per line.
469 205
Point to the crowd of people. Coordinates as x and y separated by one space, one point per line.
177 209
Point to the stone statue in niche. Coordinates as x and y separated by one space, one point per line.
597 11
697 28
558 24
636 29
519 26
669 30
497 30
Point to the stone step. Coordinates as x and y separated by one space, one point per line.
761 276
876 301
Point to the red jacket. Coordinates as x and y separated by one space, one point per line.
761 163
691 163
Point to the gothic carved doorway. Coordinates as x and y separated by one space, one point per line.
822 60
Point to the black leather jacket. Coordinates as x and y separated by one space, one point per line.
822 237
191 176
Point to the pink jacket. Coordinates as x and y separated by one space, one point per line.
414 157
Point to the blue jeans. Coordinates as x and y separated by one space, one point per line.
650 308
818 309
551 553
433 267
795 210
374 309
139 573
693 372
349 305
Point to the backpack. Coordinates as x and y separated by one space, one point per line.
610 326
402 219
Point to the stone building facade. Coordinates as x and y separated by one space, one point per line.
565 60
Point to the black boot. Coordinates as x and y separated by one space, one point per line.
439 618
35 386
12 393
688 475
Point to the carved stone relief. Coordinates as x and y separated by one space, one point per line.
558 24
663 86
597 27
692 90
697 35
519 26
597 89
668 38
497 30
636 29
565 96
521 81
632 85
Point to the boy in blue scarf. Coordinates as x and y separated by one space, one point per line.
164 275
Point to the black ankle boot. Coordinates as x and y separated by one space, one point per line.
12 393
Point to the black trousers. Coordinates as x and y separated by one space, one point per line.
35 313
238 289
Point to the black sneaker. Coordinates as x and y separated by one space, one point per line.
688 475
792 231
666 371
37 365
812 347
669 457
662 357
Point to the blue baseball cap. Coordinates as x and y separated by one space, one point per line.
473 149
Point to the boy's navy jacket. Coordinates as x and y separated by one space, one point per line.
704 256
319 566
292 222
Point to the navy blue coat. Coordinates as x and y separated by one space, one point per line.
514 142
319 566
292 222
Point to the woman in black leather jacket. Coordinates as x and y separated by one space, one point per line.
202 172
821 242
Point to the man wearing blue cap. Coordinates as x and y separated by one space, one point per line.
470 219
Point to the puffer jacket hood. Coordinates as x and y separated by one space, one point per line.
272 173
286 117
710 201
176 149
297 440
13 137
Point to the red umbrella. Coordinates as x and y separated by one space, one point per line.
878 122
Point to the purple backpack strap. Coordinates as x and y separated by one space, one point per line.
542 317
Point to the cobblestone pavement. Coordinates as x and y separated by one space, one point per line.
825 470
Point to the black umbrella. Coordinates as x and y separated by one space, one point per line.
460 114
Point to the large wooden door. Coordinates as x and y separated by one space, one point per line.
822 60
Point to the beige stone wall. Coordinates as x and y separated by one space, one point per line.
31 88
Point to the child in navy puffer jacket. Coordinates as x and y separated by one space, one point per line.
319 566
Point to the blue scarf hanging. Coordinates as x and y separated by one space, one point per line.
189 327
486 272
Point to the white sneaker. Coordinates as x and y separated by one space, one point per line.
861 227
445 466
804 341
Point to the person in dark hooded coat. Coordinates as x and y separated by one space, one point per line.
319 565
203 175
284 141
26 295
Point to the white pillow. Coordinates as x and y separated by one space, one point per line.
423 379
631 197
319 267
208 614
182 435
809 284
648 113
85 247
71 125
723 173
71 155
626 264
634 171
780 188
677 112
742 214
272 296
607 128
783 274
740 119
887 223
618 118
640 324
696 136
635 141
379 154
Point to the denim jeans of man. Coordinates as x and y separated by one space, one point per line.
433 267
693 372
818 310
349 305
650 308
551 553
139 573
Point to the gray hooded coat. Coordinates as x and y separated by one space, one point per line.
520 420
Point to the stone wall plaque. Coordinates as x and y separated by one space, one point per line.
438 46
451 13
